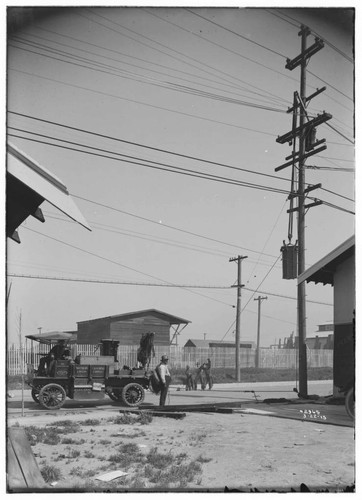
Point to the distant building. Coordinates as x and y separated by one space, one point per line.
217 343
318 342
338 269
128 328
322 341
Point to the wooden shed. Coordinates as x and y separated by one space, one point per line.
128 328
338 269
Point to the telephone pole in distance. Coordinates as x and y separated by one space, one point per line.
239 286
257 360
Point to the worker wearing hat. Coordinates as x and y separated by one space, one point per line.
165 378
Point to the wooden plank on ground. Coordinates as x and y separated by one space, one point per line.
27 469
15 479
157 413
210 407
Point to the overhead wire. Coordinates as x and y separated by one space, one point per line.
331 45
62 242
47 48
235 33
152 81
279 98
133 57
143 236
134 101
132 143
147 147
169 48
171 169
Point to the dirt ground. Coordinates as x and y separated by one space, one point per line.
234 451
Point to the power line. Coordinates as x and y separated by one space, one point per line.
132 143
334 47
168 225
119 264
143 236
115 282
133 57
286 296
144 146
240 169
339 133
168 48
170 86
189 115
172 169
236 34
90 61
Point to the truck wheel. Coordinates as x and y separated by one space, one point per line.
35 395
52 396
133 394
349 402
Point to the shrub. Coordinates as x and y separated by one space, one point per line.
125 418
203 460
72 441
145 418
158 460
37 435
72 453
50 473
88 454
91 421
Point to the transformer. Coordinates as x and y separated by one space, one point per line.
290 261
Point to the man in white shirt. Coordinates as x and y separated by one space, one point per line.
165 378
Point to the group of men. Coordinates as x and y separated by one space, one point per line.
201 374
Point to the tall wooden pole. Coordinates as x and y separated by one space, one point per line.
239 286
303 377
257 359
307 148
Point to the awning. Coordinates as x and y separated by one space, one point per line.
51 337
323 270
27 186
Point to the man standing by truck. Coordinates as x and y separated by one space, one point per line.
164 377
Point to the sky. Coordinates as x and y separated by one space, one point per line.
156 98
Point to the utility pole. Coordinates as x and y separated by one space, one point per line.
21 364
307 142
257 360
239 286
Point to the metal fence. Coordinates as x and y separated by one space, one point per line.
180 357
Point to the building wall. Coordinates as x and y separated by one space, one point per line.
344 342
127 331
92 331
344 292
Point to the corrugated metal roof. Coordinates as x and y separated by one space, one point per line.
323 270
28 180
173 320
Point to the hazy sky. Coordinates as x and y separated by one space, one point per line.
158 86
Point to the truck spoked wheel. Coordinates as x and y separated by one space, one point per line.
350 402
52 396
133 394
35 395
